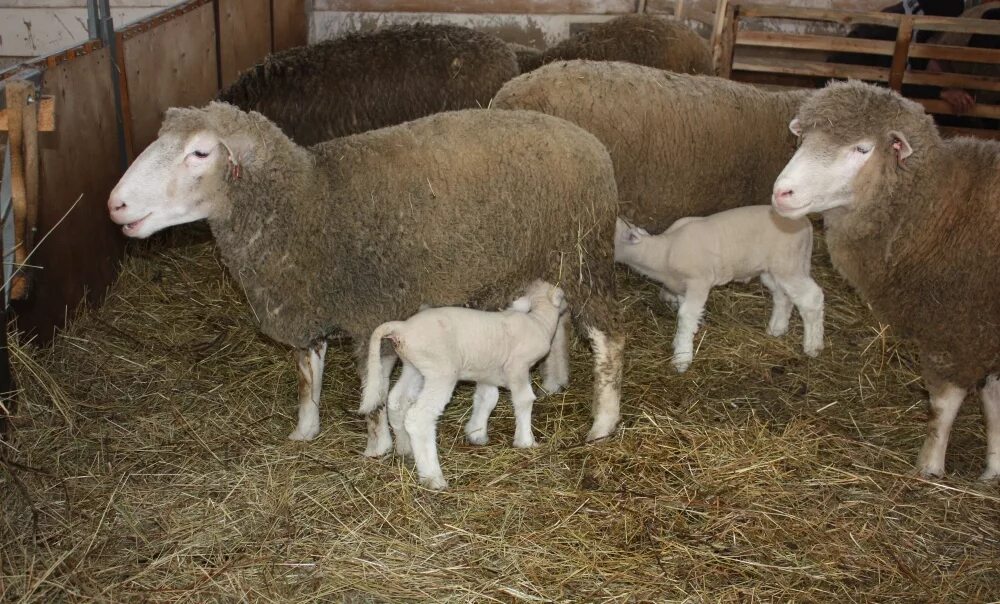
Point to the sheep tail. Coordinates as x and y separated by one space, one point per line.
376 388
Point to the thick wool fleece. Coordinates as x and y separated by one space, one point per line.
920 240
459 208
640 39
365 81
682 145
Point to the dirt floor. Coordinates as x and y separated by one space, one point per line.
149 462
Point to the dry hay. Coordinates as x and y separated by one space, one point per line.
150 446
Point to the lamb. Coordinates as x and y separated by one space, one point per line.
696 254
682 145
439 347
364 81
640 39
911 222
528 57
459 208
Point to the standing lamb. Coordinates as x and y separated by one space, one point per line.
696 254
365 81
439 347
682 145
911 222
640 39
463 207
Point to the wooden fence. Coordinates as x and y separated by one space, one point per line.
177 57
810 63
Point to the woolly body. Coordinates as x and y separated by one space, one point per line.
364 81
681 145
639 39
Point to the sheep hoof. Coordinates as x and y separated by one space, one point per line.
813 351
434 483
304 433
681 366
478 438
776 331
525 444
403 449
552 386
602 428
379 446
931 471
990 475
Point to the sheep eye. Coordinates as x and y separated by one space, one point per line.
201 154
862 149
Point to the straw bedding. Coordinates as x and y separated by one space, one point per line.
149 463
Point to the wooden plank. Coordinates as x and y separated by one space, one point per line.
807 68
46 116
80 158
244 35
17 93
763 11
530 7
957 24
770 39
904 35
951 80
290 26
954 53
951 131
978 110
170 65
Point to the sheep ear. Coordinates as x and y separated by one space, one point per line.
900 146
795 127
557 297
632 236
241 151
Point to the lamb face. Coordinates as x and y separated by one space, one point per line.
172 182
628 242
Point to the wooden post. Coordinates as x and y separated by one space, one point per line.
679 9
718 33
900 53
18 93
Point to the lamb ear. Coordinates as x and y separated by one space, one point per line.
557 297
900 146
632 236
795 127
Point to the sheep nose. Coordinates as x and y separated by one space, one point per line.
116 204
783 194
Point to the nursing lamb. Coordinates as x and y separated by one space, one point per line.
911 222
439 347
459 208
696 254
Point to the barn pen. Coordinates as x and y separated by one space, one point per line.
146 457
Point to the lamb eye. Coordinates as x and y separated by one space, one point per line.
201 154
862 149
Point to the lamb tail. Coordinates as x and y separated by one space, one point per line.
376 388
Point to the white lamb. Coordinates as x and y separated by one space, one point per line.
696 254
439 347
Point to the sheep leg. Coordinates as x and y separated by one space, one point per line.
670 299
782 308
808 298
688 316
401 397
991 413
421 425
608 365
555 368
483 402
310 365
523 398
946 398
379 436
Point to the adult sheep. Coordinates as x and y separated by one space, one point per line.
911 222
640 39
682 145
364 81
463 207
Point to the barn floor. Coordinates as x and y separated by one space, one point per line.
149 463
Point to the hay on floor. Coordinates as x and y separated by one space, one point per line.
149 463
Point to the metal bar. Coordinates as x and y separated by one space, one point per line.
93 23
107 30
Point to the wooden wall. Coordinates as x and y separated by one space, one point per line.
171 58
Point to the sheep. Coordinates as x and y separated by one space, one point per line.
439 347
682 145
457 208
696 254
528 57
911 222
365 81
639 39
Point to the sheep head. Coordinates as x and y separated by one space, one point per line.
183 175
858 144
